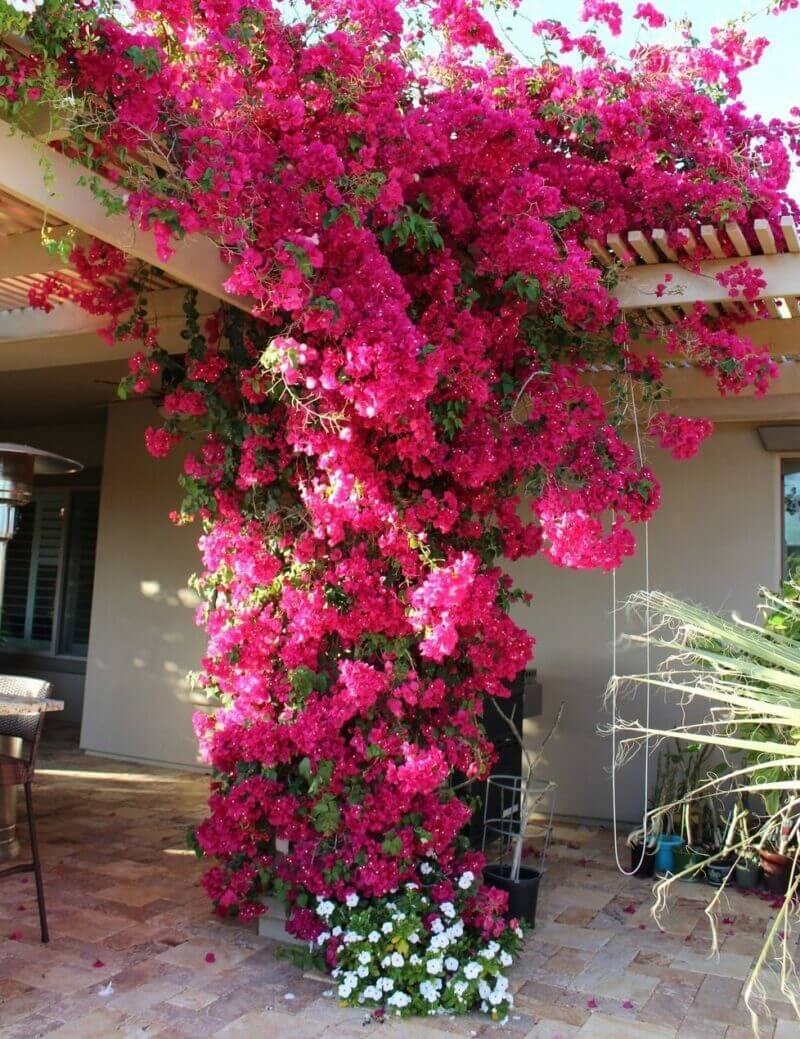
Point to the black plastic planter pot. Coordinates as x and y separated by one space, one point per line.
648 864
522 894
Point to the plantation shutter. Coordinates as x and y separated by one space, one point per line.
79 573
18 559
47 595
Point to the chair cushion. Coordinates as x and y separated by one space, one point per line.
13 772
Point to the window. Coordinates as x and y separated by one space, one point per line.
790 482
47 598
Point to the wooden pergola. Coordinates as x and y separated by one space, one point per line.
40 187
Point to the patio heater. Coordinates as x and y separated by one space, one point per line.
18 464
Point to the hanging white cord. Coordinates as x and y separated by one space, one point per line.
620 867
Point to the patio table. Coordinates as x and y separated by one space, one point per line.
28 705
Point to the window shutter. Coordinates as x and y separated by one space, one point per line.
46 562
47 600
18 569
84 514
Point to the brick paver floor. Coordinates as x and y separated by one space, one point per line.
131 931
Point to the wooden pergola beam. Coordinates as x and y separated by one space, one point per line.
636 288
68 319
47 180
24 254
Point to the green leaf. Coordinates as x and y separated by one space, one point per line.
392 845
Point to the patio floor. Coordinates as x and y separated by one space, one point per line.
131 932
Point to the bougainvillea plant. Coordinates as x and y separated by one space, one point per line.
407 395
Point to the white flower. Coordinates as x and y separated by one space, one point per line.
426 868
399 1000
460 988
414 960
455 930
388 927
429 991
373 937
399 917
484 989
473 970
397 959
364 957
437 926
325 908
506 959
413 938
448 909
451 964
518 932
362 971
466 880
386 961
439 941
336 931
323 937
352 900
371 992
434 966
386 984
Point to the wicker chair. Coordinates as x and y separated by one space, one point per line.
18 770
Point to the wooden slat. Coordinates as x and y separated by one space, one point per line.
738 240
672 313
620 249
792 304
712 242
771 306
765 237
660 238
790 234
688 240
640 244
601 253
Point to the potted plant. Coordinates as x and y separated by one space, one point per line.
688 858
748 870
776 859
642 864
518 797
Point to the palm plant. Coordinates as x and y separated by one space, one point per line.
748 677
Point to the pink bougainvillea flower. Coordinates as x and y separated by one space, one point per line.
210 957
591 1004
630 909
97 964
627 1005
15 936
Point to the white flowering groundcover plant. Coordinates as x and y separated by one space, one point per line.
406 954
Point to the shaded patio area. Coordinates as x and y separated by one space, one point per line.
135 951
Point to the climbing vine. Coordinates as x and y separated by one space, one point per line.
408 393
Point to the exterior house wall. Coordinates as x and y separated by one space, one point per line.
715 540
143 639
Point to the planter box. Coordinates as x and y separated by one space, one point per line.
271 924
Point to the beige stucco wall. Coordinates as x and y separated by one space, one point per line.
715 540
143 640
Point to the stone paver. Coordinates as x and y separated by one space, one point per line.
132 933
